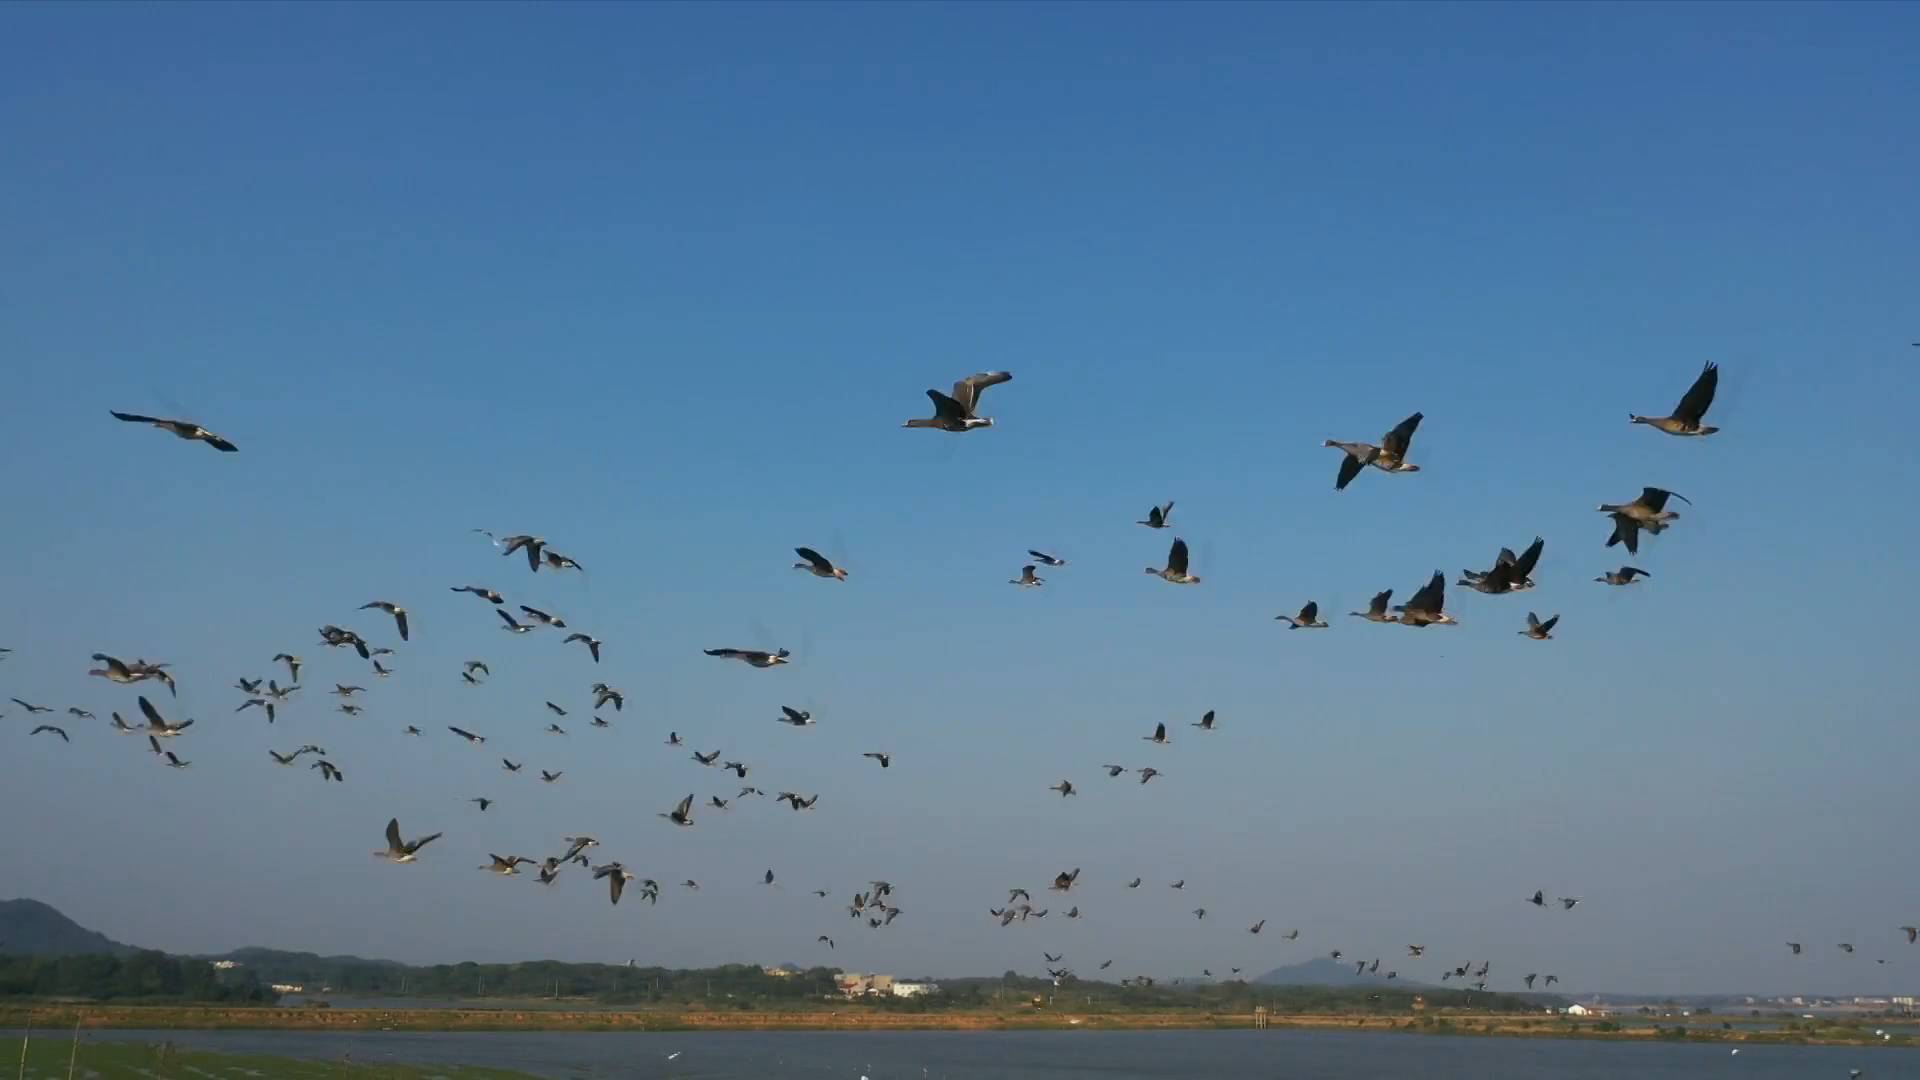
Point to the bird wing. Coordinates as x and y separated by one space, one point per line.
1693 404
508 618
420 843
1378 605
945 408
1523 566
1547 627
1533 621
686 806
136 418
968 390
1310 612
400 618
1395 442
1177 558
727 653
146 709
1432 596
818 560
1350 467
393 835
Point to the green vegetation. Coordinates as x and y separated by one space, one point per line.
145 976
51 1054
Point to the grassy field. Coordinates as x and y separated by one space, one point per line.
53 1055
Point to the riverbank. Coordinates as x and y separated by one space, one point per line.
53 1054
66 1016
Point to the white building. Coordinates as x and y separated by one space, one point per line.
1577 1009
914 989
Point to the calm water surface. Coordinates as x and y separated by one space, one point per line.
1060 1055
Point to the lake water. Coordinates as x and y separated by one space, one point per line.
1060 1055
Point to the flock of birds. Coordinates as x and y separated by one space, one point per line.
955 412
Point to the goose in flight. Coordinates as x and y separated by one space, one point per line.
414 731
400 851
1045 559
550 777
280 693
617 877
602 693
1425 608
706 759
1205 723
1181 884
482 592
1290 935
531 544
511 766
262 703
536 615
794 799
1064 787
32 708
1159 736
335 637
282 759
352 710
717 802
592 643
682 814
557 561
1176 568
1538 899
113 671
1567 902
739 769
1623 576
185 429
328 771
1149 773
956 412
818 565
507 865
1846 948
1693 406
399 614
157 725
752 657
1539 631
512 626
1377 608
1114 770
793 716
1551 979
1510 573
482 803
1795 946
1648 512
173 762
556 729
381 671
1389 456
467 735
1027 579
472 666
1416 950
342 690
293 665
50 729
885 759
1308 619
674 739
248 686
122 727
826 939
1256 928
555 709
1157 516
1134 884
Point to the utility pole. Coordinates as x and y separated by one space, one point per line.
23 1044
74 1055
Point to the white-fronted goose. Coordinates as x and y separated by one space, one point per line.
1693 406
399 614
1157 516
818 565
49 729
602 693
682 814
592 643
511 766
1045 559
512 627
885 759
752 657
1176 568
1205 723
329 772
113 670
351 710
403 851
1510 573
185 429
544 619
1064 787
1027 579
956 412
1626 575
122 727
550 777
1308 619
1648 512
1149 773
1159 736
260 703
482 592
157 725
293 665
1389 456
467 735
1377 608
531 544
1537 630
1426 608
557 561
791 715
507 865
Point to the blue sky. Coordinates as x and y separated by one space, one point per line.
660 283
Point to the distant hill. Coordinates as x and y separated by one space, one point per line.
31 928
1325 972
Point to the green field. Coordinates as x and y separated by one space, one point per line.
51 1054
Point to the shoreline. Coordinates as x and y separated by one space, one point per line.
160 1018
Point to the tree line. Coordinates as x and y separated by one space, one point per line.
141 975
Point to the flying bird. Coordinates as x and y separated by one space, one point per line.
1205 723
1157 516
1537 630
885 760
1693 406
50 729
1114 770
399 614
1256 928
1510 573
682 814
602 693
512 626
32 708
507 865
818 565
1027 579
467 735
1377 609
1176 568
1159 736
293 665
550 777
1623 576
403 851
185 429
1648 512
1149 773
592 643
751 657
156 724
1064 787
1308 619
793 716
1389 456
510 765
482 592
541 617
482 804
956 412
328 771
1045 559
530 544
1567 902
1425 608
